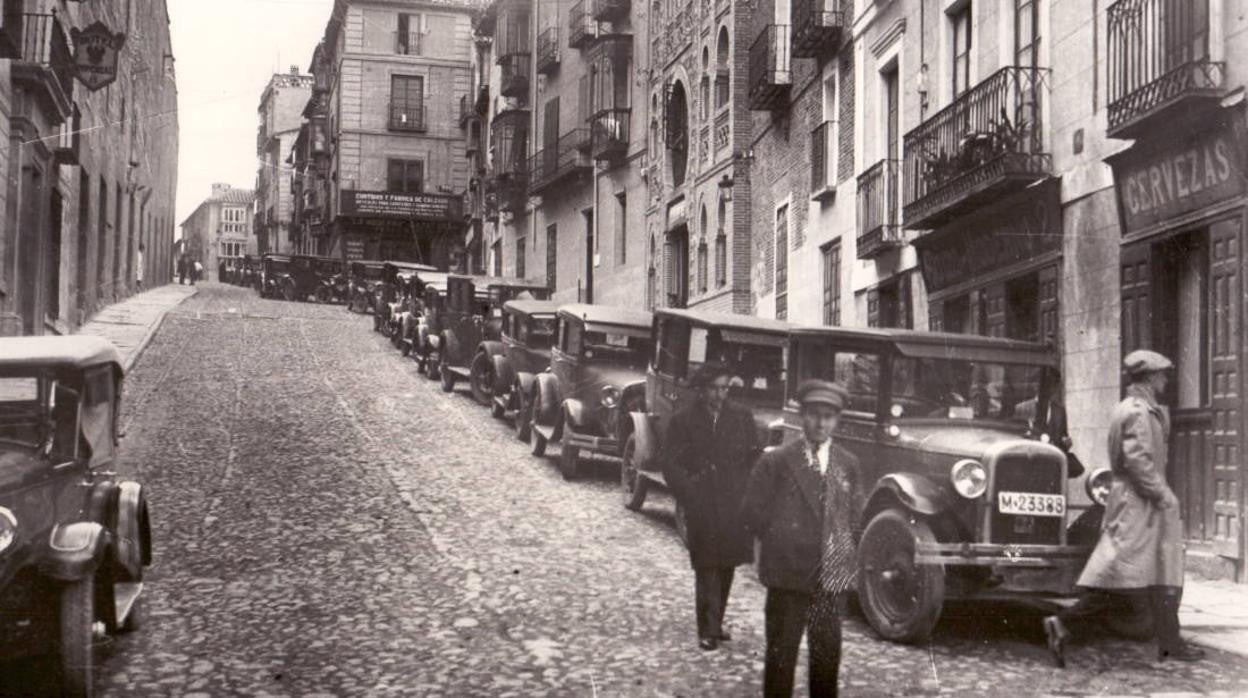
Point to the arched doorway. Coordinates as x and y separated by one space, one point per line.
678 132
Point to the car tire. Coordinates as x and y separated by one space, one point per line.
901 600
76 620
496 410
288 292
569 461
634 485
537 442
521 421
431 366
481 379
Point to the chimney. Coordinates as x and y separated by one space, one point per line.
219 190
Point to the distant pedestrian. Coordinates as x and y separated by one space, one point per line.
1140 552
711 446
802 502
197 272
138 269
182 269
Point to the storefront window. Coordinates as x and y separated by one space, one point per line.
1181 266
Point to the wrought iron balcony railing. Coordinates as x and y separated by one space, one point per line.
1158 53
988 142
558 161
514 82
509 143
609 10
548 50
582 29
609 133
823 160
408 43
879 227
41 55
407 117
770 68
817 27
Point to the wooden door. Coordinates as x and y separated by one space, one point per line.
1225 346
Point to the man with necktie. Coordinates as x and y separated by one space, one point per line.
710 446
802 503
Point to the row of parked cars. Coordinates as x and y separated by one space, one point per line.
970 498
290 277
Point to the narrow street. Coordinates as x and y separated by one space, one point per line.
328 522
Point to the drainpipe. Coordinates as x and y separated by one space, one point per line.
591 233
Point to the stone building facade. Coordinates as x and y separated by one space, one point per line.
91 174
219 229
281 117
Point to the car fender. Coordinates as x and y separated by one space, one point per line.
492 348
573 414
546 407
133 531
525 384
645 439
504 377
434 341
75 550
914 492
450 346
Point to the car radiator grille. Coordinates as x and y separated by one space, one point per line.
1024 473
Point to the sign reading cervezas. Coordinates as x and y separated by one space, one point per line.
96 51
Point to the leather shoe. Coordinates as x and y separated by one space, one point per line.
724 636
1055 634
708 643
1185 653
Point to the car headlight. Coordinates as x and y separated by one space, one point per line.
969 478
610 396
8 529
1097 485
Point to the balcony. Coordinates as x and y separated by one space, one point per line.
609 134
609 10
988 143
817 27
408 43
823 161
548 51
878 226
770 69
515 81
558 162
42 59
509 143
1158 64
407 117
582 29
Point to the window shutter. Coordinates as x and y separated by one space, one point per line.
873 308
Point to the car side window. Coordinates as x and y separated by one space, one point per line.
65 423
673 347
858 372
572 339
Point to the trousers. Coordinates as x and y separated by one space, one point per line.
1162 601
711 588
789 614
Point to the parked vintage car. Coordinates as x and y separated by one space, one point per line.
471 325
361 286
966 499
250 272
752 348
411 315
421 343
275 278
596 378
391 293
330 280
74 538
528 333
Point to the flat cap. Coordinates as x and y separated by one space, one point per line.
1143 361
814 391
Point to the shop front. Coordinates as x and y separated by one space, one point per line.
419 227
1181 207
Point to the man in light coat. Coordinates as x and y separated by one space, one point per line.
1140 551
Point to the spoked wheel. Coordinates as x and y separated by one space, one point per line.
76 618
521 421
569 460
635 486
537 442
481 379
902 600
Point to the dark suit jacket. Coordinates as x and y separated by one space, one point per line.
707 468
805 522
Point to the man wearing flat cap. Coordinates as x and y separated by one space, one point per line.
710 446
802 502
1139 556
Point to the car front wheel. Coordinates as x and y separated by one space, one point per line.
521 419
481 378
902 600
634 484
446 378
537 442
569 461
77 616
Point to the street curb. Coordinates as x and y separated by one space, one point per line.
151 332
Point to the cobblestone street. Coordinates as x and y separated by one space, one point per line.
328 522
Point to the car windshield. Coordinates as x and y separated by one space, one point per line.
21 413
539 332
277 265
755 360
623 346
964 390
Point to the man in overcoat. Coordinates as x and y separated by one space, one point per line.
1140 551
710 447
803 503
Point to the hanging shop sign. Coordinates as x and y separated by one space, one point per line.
96 53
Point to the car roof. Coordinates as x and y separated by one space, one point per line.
531 307
733 320
942 345
283 257
607 314
488 281
74 352
410 265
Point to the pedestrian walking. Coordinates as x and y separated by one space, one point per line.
802 502
710 447
138 269
197 272
1139 556
182 270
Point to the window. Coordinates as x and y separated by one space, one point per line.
407 103
1026 32
722 69
552 256
702 266
496 254
782 262
408 37
520 252
621 228
961 69
832 284
1180 266
570 337
858 372
672 350
888 304
404 176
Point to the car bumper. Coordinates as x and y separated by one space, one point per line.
597 444
1001 555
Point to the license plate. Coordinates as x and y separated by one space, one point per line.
1030 504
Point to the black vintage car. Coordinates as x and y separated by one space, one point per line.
275 277
596 378
470 328
249 272
361 286
753 350
423 340
75 539
331 280
392 294
966 498
528 333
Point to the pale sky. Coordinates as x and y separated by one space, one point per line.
226 51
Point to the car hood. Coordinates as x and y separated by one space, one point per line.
607 374
956 439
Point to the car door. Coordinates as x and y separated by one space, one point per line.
566 357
